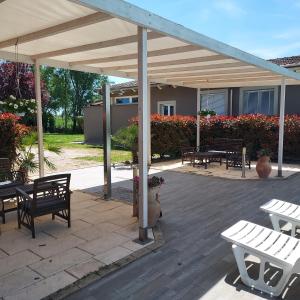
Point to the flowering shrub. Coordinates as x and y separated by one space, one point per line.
170 133
11 133
18 106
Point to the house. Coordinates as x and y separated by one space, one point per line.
171 100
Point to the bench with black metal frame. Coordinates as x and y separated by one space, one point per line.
234 156
9 179
51 195
187 154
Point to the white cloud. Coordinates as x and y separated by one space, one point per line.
277 51
230 7
289 34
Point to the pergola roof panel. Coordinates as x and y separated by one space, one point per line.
101 36
22 17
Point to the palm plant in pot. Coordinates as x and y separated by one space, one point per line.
26 159
263 165
154 209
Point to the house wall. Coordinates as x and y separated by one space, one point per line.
235 101
120 116
292 102
121 113
185 99
185 105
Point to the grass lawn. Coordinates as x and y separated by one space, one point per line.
67 140
75 141
116 156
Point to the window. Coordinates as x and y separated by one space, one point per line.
126 100
260 101
214 100
166 108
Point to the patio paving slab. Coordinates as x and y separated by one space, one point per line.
59 256
104 243
43 288
11 283
113 255
17 261
60 262
82 269
57 246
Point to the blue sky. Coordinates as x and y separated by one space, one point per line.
266 28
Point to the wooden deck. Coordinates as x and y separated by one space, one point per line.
195 263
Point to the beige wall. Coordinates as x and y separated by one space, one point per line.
93 129
185 105
120 114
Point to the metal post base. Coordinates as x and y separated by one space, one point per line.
279 173
106 193
143 237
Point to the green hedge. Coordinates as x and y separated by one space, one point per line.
258 131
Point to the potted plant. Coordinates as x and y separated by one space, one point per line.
207 113
154 209
263 165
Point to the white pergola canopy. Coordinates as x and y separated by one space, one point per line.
101 36
113 37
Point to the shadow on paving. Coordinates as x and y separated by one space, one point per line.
195 262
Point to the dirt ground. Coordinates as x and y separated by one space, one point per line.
68 160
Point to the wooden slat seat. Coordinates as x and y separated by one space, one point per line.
270 247
51 195
279 210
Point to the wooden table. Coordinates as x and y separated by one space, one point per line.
9 192
204 158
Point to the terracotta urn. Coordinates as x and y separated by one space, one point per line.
153 206
263 167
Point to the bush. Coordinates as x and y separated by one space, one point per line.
11 133
257 131
80 122
170 133
127 138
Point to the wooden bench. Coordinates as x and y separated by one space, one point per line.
231 149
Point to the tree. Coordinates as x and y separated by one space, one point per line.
59 86
84 91
11 73
71 91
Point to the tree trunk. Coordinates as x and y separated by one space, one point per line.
66 117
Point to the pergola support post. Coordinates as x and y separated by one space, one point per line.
198 116
143 118
281 126
39 115
149 123
106 141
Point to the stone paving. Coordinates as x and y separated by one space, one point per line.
215 170
101 233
